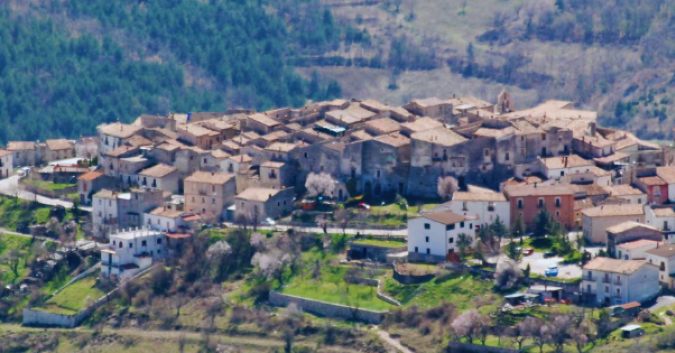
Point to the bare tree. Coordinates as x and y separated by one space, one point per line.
471 324
12 259
272 264
258 241
320 184
447 186
558 330
534 328
343 216
322 221
507 275
517 335
580 339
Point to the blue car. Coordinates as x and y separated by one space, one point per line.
551 271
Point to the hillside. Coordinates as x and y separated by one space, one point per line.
67 66
611 56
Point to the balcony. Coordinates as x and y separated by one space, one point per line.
617 282
606 280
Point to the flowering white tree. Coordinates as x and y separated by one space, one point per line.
272 264
218 249
471 324
320 184
447 186
258 240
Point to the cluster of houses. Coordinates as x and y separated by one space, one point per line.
159 175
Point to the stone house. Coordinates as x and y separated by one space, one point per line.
380 166
160 176
257 204
636 249
199 136
655 188
24 153
431 107
419 125
58 149
609 281
132 205
111 162
486 207
105 213
208 194
189 159
127 173
527 201
262 124
167 219
598 219
276 175
90 183
86 147
433 236
630 231
557 167
381 126
626 194
6 163
663 257
234 164
112 135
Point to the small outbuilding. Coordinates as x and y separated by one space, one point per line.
631 331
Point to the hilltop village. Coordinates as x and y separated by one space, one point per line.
585 212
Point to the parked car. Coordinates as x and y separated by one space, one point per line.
269 222
550 253
23 171
363 205
551 271
528 251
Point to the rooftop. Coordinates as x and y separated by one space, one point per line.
158 171
632 245
666 250
571 161
474 196
384 125
626 226
605 264
59 145
615 210
441 136
444 217
538 190
257 194
90 175
119 130
20 145
209 178
422 124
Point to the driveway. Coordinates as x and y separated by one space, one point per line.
662 301
538 265
10 186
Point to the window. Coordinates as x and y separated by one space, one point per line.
428 251
522 151
506 157
540 203
451 240
557 202
131 245
450 227
213 188
470 225
427 226
144 243
305 154
114 242
416 249
278 203
378 173
557 213
486 152
464 206
450 251
159 240
520 203
121 245
606 289
426 239
543 137
562 173
461 224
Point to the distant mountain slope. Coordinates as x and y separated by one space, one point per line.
67 66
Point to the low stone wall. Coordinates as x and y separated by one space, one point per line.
373 283
411 278
350 226
48 193
459 347
327 309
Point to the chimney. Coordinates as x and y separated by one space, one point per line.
591 127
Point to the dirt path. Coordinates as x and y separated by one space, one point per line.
384 335
667 319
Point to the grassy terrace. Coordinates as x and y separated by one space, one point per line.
8 243
331 287
75 297
380 243
46 185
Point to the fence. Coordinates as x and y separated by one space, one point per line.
45 318
320 308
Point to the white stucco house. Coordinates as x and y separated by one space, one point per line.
663 257
485 206
131 251
432 236
662 218
557 167
609 281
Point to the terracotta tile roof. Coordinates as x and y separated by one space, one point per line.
571 161
538 190
90 175
473 196
443 137
263 119
624 267
209 178
494 133
615 210
119 130
626 226
667 174
615 157
361 135
664 212
427 102
198 131
257 194
219 154
422 124
59 145
590 190
106 194
168 147
652 181
444 217
251 135
623 190
121 150
666 251
275 135
632 245
374 105
272 164
162 211
21 145
582 204
294 126
384 125
4 153
394 140
138 140
281 147
158 171
598 172
242 158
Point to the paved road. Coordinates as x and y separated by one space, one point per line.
394 233
9 186
662 301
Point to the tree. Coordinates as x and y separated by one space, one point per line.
558 330
446 187
343 216
534 328
513 252
12 259
272 264
322 221
499 229
542 222
517 335
518 228
580 339
507 275
320 184
471 324
463 244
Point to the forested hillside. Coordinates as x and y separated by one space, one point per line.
67 66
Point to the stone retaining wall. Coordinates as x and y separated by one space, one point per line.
459 347
373 283
327 309
48 193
